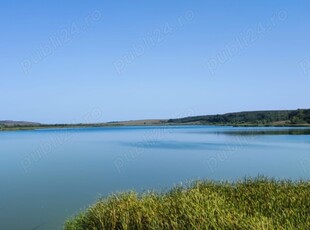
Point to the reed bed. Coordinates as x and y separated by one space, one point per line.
258 203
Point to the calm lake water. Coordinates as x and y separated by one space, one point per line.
49 175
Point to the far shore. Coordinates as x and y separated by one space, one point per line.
271 118
125 124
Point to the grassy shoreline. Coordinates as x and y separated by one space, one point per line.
271 118
27 128
258 203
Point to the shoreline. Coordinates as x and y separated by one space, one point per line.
268 118
29 128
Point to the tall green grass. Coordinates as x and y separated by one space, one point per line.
258 203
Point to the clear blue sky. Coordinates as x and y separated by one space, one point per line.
61 60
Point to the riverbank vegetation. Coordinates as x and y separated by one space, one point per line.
253 118
258 203
279 118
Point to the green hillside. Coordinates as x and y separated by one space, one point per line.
277 117
300 117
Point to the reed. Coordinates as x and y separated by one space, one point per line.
258 203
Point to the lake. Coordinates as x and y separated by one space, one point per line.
49 175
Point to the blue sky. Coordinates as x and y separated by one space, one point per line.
63 61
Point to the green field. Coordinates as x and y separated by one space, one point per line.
258 203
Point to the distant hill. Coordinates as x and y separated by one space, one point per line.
18 123
299 117
277 117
